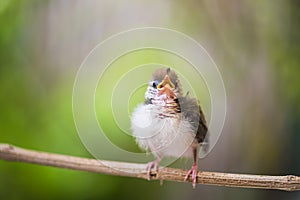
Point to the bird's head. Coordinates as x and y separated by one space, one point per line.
164 85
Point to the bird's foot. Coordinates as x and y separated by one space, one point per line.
152 165
193 171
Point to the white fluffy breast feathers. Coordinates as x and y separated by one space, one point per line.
162 136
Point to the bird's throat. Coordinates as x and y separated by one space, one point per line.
167 107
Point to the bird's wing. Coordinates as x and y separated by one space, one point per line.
192 111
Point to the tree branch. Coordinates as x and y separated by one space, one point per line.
12 153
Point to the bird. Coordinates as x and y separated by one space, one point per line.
169 123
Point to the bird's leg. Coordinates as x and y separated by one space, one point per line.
194 169
152 165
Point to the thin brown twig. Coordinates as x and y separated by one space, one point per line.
12 153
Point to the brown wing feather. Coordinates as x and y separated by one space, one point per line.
192 111
202 127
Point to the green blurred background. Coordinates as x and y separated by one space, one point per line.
254 43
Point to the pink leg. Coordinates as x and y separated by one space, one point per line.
152 165
194 169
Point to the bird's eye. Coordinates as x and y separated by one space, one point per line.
155 84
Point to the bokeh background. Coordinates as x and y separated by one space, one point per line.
254 43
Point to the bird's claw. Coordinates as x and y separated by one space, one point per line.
151 165
193 171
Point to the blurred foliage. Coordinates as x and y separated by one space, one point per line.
42 43
286 58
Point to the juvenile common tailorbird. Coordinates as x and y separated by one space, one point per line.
169 123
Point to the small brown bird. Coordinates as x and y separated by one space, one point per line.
169 123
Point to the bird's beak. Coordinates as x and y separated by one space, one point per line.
166 82
166 87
